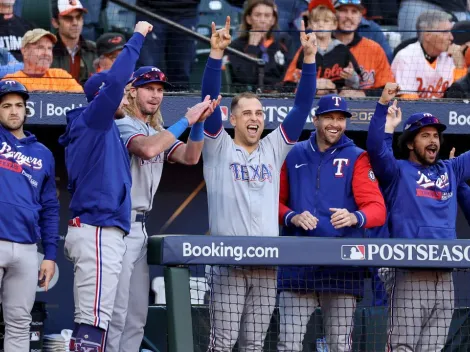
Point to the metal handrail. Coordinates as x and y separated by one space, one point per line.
259 62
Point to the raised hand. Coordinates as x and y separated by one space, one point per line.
390 91
452 153
305 220
309 44
208 112
342 218
194 113
394 116
143 27
220 39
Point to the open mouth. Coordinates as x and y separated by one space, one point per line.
333 131
252 129
431 151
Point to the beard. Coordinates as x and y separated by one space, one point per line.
13 125
327 138
119 114
422 157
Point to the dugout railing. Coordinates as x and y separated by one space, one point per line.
179 253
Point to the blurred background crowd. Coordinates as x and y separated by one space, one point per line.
420 44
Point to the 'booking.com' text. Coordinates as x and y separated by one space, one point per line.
236 252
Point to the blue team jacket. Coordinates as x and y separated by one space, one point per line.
422 200
321 190
29 209
97 161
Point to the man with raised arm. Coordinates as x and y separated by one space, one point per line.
420 192
242 177
99 181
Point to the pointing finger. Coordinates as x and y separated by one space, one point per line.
213 28
227 24
395 102
452 153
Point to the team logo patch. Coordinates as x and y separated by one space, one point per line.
224 111
371 175
35 336
353 252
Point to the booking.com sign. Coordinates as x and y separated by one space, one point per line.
419 252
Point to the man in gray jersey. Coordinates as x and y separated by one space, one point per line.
242 178
148 145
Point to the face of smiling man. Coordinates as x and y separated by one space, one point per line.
247 119
329 128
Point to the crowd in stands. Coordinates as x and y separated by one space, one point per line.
419 44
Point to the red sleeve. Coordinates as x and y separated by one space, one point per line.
367 194
283 194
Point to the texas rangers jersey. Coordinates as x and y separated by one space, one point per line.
146 174
243 188
416 75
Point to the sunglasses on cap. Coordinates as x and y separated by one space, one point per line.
348 2
150 76
424 121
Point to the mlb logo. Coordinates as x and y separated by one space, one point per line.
35 336
354 252
224 111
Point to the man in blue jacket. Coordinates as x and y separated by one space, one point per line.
99 182
420 193
29 210
327 189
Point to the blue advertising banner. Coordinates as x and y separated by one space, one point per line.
50 109
248 250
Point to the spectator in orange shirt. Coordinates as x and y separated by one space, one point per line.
336 66
375 68
37 75
109 45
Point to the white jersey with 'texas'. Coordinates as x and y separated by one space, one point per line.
243 188
146 174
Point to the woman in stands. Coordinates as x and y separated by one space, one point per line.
256 38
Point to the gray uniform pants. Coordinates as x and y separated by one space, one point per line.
242 301
18 282
421 308
96 253
295 310
126 329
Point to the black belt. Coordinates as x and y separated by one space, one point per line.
141 217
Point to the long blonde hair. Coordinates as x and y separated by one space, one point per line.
155 120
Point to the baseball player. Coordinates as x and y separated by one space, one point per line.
242 178
420 194
147 143
327 189
29 210
99 182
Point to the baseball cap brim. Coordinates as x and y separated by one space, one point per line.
346 113
112 50
66 12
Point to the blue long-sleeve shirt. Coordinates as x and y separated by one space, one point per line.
29 209
294 122
97 160
421 199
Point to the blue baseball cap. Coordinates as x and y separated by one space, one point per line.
94 84
10 86
331 103
422 119
149 74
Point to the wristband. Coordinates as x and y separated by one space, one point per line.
179 127
197 132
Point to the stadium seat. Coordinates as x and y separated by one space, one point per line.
39 15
